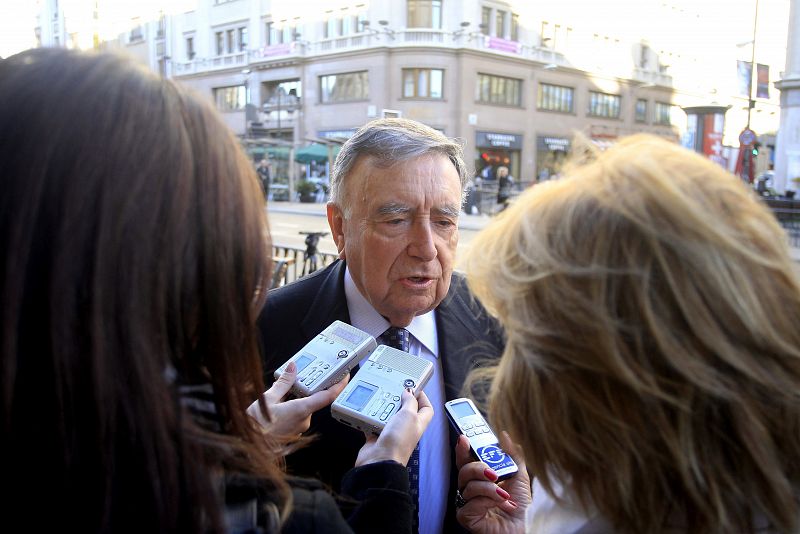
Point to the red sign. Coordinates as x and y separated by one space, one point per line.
747 137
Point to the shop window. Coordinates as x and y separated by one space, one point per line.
345 87
556 98
422 83
425 14
231 98
604 105
498 90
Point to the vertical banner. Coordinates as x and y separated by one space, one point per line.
762 81
744 77
713 124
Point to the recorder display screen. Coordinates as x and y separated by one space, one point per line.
303 361
359 397
462 409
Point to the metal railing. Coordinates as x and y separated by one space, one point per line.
787 211
290 263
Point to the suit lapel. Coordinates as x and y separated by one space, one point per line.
329 305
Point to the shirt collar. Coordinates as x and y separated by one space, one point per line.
364 317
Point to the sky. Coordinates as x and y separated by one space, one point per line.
733 19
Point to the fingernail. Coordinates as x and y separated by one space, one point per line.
409 390
491 475
503 493
512 503
291 368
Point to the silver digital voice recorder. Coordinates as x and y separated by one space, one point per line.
328 358
467 420
373 395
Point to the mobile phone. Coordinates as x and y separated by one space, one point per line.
328 358
373 395
467 420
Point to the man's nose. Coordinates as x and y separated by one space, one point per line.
420 241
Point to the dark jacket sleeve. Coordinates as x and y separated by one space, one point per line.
374 498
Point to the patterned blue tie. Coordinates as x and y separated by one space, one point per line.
399 338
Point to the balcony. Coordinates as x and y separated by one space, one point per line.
225 61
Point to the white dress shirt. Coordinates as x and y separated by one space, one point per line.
434 447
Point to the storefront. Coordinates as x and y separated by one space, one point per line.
496 149
551 151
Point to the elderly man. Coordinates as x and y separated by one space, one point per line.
396 194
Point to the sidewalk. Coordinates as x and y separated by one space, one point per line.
467 222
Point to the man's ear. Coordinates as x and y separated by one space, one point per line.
336 223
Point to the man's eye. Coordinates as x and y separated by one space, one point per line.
395 221
445 223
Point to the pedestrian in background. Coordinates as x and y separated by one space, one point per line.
504 184
263 170
133 268
652 370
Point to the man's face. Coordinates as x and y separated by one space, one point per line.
400 239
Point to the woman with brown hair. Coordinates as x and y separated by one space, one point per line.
652 370
135 254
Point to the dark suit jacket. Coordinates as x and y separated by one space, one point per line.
297 312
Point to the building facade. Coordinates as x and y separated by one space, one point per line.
514 82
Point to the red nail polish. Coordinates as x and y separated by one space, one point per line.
491 475
503 493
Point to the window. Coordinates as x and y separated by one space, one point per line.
515 27
190 53
161 31
230 98
344 87
603 105
422 83
498 90
486 16
137 31
556 98
425 14
500 23
281 94
663 111
288 33
242 35
273 34
641 110
333 26
230 41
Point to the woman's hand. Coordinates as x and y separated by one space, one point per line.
401 434
491 508
292 417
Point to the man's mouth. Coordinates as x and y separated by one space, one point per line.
418 282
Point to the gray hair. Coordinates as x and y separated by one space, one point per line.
391 141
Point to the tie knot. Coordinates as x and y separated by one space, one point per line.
398 338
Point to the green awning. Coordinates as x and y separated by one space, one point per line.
314 152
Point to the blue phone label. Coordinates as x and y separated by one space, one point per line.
495 457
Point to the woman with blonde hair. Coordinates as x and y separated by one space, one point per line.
652 370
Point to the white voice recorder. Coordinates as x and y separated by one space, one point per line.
467 420
373 395
328 358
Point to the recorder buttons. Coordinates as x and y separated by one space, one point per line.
342 354
409 383
396 398
387 411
